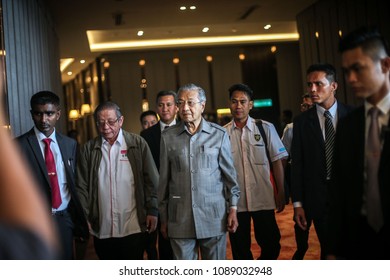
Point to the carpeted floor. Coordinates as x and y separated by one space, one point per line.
286 226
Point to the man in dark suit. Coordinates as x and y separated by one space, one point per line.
167 110
359 188
66 211
310 175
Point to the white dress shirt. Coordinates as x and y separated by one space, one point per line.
117 204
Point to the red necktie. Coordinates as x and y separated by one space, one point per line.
52 172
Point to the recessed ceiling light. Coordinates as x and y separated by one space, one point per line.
82 61
140 33
183 8
241 56
70 73
209 58
205 29
268 26
193 8
176 60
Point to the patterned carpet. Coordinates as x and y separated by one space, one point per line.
286 226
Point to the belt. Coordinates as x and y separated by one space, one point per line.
59 213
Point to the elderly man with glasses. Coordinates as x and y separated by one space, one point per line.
198 190
117 183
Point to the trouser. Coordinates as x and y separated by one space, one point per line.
213 248
130 247
302 237
266 232
64 225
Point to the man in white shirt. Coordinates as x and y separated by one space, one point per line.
260 194
117 183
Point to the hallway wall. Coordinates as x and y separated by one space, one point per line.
32 58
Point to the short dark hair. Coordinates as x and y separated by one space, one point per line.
107 105
241 87
329 70
45 97
369 39
148 113
166 93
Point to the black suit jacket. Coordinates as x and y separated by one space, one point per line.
31 151
347 188
152 135
308 168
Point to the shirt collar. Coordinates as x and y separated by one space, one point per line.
248 125
163 124
383 105
332 110
118 140
40 136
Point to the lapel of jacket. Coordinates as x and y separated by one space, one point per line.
385 135
314 125
36 149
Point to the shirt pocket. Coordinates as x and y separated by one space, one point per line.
178 159
208 158
258 154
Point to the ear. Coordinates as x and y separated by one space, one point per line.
58 114
251 105
334 86
385 64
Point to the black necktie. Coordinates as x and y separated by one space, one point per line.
373 149
329 143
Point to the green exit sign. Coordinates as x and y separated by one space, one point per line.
257 103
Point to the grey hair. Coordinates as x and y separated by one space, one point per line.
193 87
107 105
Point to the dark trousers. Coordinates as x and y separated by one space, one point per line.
302 237
164 246
266 231
65 229
366 244
130 247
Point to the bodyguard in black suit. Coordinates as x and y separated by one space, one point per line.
353 234
167 110
69 215
309 176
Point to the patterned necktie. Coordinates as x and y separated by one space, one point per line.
52 172
329 143
373 148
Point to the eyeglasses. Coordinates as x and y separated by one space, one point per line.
190 103
108 122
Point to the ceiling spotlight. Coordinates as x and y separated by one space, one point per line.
193 8
142 62
205 29
273 49
209 58
183 8
176 60
82 61
268 26
241 56
140 33
70 73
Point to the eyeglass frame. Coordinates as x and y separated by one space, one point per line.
190 103
110 123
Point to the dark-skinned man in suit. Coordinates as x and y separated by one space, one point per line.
68 215
310 175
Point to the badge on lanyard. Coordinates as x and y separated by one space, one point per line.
257 137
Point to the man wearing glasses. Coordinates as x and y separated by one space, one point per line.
117 184
198 191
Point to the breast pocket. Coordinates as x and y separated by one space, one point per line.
208 158
258 154
177 160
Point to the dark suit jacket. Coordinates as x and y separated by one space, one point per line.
347 188
30 149
152 135
308 168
